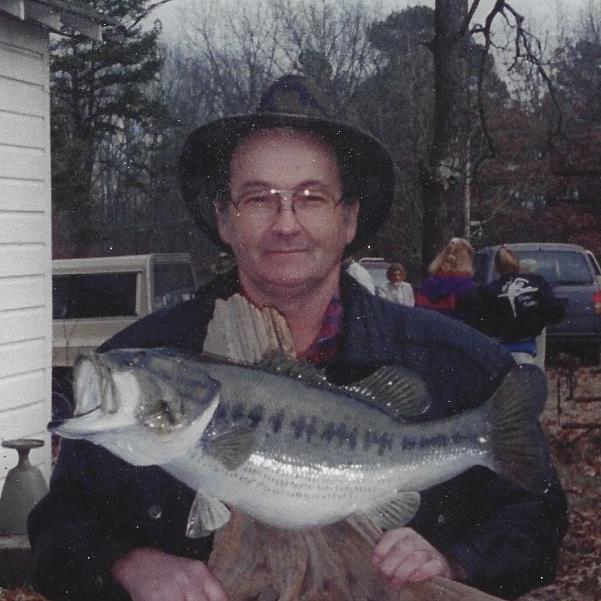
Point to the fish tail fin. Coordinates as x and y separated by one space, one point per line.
518 446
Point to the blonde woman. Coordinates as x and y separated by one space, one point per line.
450 281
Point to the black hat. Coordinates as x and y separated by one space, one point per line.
291 101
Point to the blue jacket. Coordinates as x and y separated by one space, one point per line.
99 507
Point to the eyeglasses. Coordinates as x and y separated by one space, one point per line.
266 203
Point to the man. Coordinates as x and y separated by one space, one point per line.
290 192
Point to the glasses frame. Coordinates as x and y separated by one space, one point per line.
288 195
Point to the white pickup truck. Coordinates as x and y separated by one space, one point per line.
94 298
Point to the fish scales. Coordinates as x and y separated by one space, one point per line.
278 443
316 472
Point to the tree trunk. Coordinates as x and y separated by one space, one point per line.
443 178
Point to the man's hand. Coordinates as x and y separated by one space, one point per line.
402 556
150 575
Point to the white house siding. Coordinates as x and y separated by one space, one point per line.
25 265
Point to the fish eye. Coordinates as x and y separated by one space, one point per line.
133 359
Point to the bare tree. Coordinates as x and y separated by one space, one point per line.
449 167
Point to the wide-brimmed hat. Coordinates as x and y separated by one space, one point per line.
293 102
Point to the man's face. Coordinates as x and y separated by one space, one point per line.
287 248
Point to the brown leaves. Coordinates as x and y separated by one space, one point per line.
20 594
577 456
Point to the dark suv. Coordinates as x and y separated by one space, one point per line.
575 276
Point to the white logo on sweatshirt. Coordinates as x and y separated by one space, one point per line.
515 288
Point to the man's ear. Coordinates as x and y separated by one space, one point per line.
351 213
222 220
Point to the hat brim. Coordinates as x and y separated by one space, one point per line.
208 149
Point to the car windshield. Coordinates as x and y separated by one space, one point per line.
377 271
173 283
80 296
560 267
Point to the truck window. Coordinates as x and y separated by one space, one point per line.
173 283
80 296
558 267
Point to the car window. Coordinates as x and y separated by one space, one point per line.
377 271
80 296
560 267
480 261
593 262
173 283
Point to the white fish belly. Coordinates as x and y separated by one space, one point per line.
287 495
290 496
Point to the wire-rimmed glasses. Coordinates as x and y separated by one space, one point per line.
307 203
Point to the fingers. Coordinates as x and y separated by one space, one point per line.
402 556
149 574
388 541
213 590
201 585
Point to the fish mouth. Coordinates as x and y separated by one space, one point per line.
95 399
57 423
93 385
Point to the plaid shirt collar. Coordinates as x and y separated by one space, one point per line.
324 348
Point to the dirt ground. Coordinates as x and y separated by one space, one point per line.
572 420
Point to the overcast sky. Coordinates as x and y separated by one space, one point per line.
543 15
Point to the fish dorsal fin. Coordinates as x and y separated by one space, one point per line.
232 448
300 369
206 515
395 390
395 513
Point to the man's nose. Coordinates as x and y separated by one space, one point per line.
286 220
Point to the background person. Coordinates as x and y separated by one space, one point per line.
290 191
397 290
518 306
450 281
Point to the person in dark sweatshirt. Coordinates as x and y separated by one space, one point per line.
517 307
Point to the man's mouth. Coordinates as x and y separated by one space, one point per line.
286 251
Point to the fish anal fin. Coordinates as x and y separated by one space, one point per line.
233 448
395 513
206 515
395 390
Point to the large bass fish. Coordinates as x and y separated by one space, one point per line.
280 443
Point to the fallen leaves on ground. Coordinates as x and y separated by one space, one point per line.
573 427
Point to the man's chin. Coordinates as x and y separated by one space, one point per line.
293 278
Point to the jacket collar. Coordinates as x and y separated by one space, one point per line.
367 331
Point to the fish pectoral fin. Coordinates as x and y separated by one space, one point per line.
206 515
233 447
395 513
395 390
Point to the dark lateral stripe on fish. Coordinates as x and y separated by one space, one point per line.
384 441
276 420
255 415
302 426
238 412
307 427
